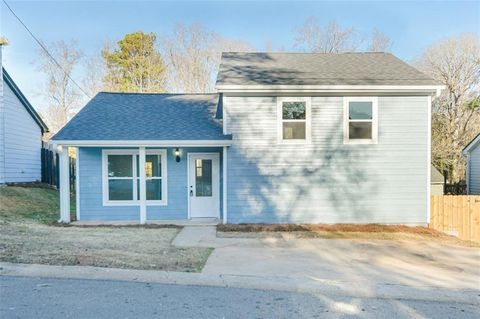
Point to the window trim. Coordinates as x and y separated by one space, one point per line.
308 120
135 178
346 120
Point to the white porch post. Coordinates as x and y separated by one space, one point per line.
64 185
143 193
224 162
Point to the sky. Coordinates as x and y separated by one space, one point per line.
412 25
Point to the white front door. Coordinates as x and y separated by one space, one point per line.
204 184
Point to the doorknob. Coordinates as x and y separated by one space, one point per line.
191 191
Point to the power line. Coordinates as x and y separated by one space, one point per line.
45 49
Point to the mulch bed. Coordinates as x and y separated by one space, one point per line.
367 228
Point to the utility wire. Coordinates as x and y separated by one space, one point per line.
45 49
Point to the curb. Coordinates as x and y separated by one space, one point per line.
314 286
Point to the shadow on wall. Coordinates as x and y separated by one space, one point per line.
322 182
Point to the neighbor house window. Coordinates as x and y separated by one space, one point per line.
122 177
360 120
294 119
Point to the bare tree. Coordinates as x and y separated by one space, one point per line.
95 72
63 99
455 62
312 37
380 42
193 56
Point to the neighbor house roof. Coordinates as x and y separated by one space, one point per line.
315 69
11 84
473 143
436 177
138 116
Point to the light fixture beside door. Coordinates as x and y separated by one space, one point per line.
177 155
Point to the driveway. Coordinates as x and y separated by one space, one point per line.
366 264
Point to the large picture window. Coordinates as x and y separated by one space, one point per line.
360 120
122 177
294 119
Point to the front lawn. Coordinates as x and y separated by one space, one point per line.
28 234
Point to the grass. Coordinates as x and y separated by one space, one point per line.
338 231
34 204
29 234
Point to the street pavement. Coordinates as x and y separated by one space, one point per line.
32 297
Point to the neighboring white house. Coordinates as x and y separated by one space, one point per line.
437 182
472 153
21 130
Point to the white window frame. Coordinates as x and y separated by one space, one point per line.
308 120
136 179
346 120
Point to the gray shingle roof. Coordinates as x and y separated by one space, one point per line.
131 116
240 68
435 176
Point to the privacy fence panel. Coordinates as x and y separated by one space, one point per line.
51 171
457 215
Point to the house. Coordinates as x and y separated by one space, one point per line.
472 154
289 138
21 130
437 181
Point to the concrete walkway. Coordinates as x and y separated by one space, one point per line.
206 236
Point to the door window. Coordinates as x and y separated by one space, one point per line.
203 177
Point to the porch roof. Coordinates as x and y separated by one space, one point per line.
131 117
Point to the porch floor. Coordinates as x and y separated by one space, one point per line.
185 222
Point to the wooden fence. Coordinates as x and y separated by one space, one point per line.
457 215
51 172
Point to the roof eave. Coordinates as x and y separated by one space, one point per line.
471 145
141 143
429 89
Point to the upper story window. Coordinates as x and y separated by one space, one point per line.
121 177
294 119
360 120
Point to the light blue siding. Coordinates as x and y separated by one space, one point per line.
91 203
474 171
2 124
20 141
326 181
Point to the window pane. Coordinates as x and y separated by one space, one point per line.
120 189
294 130
360 110
120 165
153 165
203 178
154 189
360 130
294 110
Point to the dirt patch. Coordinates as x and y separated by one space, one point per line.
368 228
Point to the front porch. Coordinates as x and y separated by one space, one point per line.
187 222
152 184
